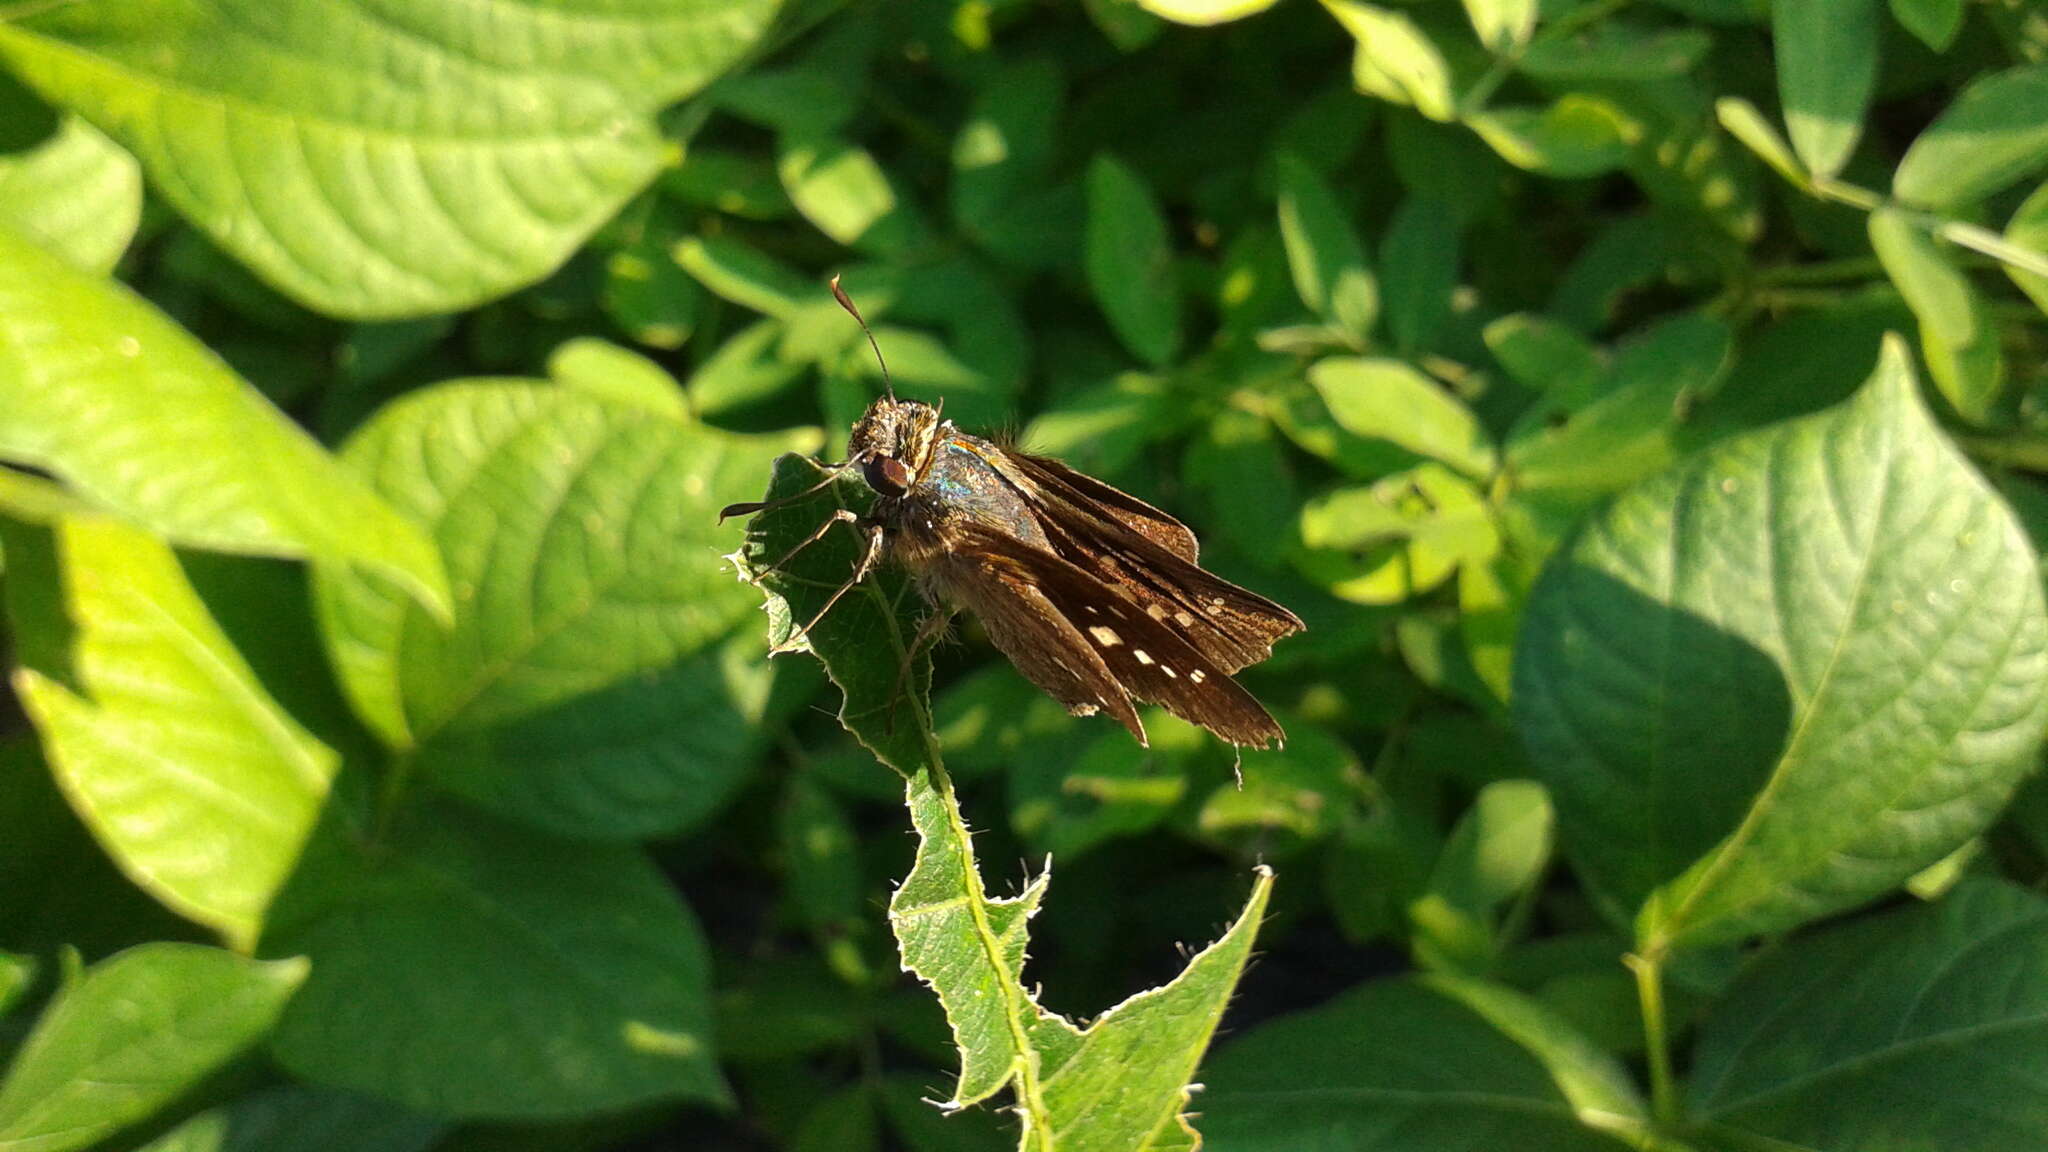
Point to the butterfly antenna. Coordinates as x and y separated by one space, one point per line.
846 302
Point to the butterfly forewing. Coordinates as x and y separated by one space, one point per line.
1120 543
1145 657
1008 596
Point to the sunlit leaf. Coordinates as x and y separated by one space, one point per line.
1859 598
99 388
574 689
402 165
1827 67
1130 261
1992 135
133 1034
186 770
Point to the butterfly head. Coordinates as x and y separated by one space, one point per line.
892 444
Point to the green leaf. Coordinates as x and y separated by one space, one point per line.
1130 261
1748 125
192 777
509 975
1395 59
1008 138
1398 1065
1324 255
735 183
619 375
841 190
1612 51
1576 137
2028 228
1541 354
842 1122
823 873
1992 135
101 389
1496 853
62 890
1125 23
1934 22
883 693
1202 12
295 1119
1827 69
76 193
1503 25
1627 432
746 370
1780 679
17 974
743 275
1123 1081
1290 797
377 168
1241 463
1420 258
1113 788
1957 334
1117 1083
649 296
575 689
1915 1002
1388 400
132 1035
1385 542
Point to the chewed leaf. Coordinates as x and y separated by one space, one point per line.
864 639
1124 1081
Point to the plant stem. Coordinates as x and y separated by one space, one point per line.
1017 1008
1649 973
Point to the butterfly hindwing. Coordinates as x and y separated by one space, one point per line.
1145 657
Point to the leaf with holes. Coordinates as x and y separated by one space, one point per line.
1120 1083
1780 679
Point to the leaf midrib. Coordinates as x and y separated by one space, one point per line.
1673 924
84 58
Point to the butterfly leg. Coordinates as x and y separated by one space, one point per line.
868 559
840 516
928 632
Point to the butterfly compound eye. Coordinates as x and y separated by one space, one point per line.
886 475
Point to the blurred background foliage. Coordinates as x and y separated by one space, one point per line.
1383 301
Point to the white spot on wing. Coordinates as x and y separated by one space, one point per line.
1106 637
1170 673
1155 611
1183 619
1197 676
1143 656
